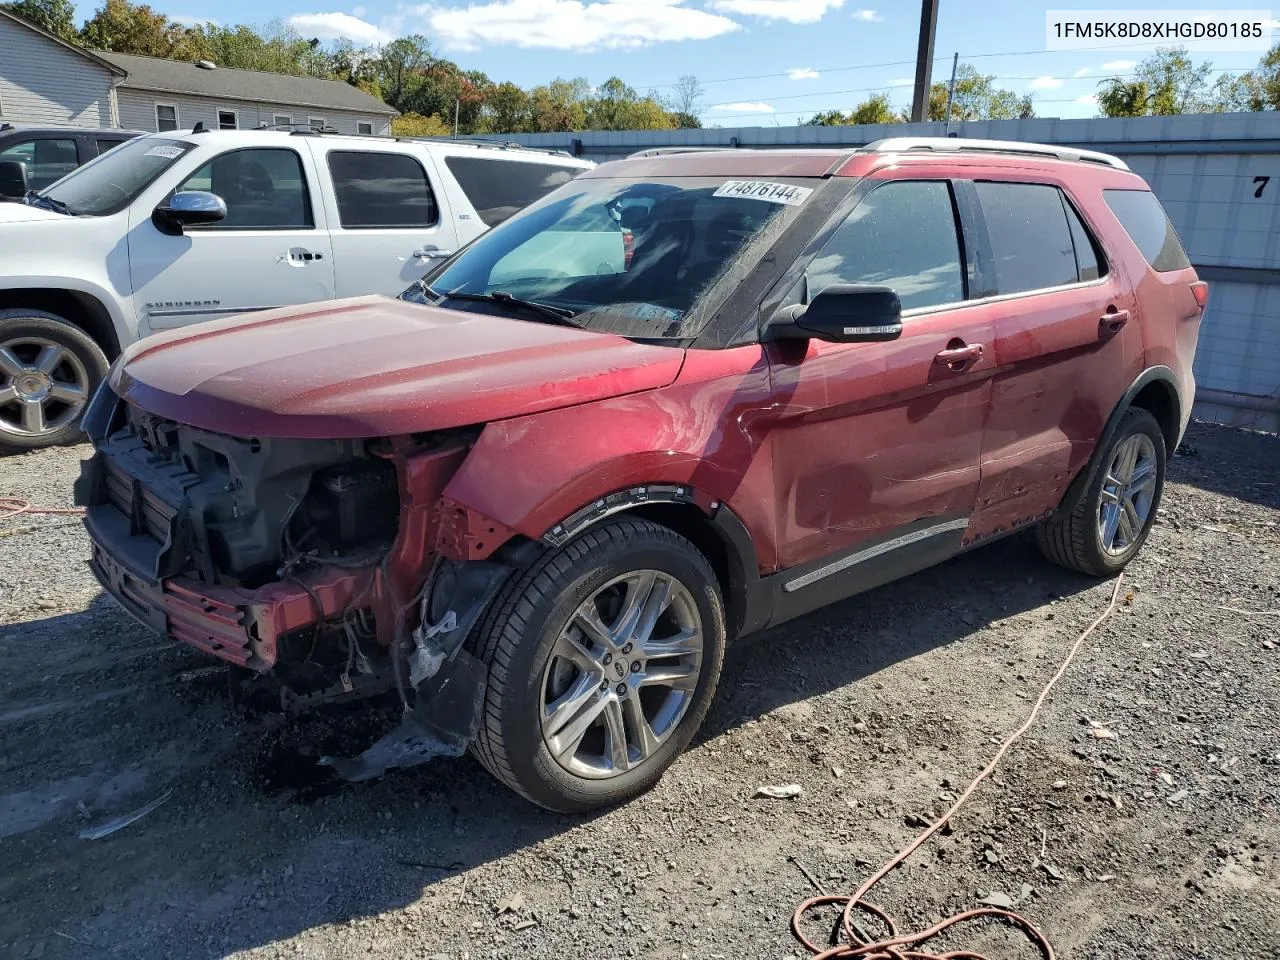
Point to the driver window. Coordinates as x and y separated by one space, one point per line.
263 190
902 235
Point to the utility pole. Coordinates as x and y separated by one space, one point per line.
951 90
924 60
456 102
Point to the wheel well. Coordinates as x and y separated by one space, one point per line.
81 309
1159 400
691 523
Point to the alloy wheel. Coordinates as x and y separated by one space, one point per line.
1128 491
43 387
622 674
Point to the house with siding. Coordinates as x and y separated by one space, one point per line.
46 80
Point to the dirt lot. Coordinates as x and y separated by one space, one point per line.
1160 842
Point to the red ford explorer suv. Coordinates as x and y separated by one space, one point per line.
682 398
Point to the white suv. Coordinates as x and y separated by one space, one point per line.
179 227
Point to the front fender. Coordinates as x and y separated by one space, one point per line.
704 433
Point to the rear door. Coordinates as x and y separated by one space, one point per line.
498 185
271 250
1066 346
877 447
390 221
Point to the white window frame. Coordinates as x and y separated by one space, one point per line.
231 110
364 123
177 117
316 123
282 120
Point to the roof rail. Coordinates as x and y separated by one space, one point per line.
493 143
959 145
663 151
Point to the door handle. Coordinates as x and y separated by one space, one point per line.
1113 320
305 256
430 253
953 356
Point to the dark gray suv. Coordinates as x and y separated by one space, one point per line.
31 158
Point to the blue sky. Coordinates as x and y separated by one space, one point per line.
761 61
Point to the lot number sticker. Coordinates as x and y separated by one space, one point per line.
764 190
165 150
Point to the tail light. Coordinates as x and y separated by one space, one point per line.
1200 290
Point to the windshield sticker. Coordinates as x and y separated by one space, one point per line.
764 190
168 152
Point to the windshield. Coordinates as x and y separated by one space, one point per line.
113 180
623 256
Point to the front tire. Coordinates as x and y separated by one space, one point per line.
603 658
1110 523
49 370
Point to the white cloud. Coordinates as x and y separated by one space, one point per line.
867 16
187 20
902 82
802 73
793 11
744 106
570 24
1088 99
338 26
1119 64
1083 72
1045 83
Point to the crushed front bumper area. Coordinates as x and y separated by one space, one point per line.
243 627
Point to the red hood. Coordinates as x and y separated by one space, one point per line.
377 367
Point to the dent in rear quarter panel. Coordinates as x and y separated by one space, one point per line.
706 430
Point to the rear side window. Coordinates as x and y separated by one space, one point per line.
1089 262
381 190
500 188
902 235
1031 243
1142 217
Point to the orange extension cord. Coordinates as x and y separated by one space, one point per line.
907 946
14 506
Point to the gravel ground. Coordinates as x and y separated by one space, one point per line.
1158 841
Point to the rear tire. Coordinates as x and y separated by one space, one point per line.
49 369
566 672
1111 521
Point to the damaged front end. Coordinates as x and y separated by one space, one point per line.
327 569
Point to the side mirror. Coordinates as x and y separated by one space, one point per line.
841 313
13 179
188 209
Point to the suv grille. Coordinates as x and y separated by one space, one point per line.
151 514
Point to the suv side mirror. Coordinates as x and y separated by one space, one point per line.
841 313
188 208
13 179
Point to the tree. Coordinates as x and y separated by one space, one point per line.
56 16
1124 99
399 66
1176 84
686 98
876 109
560 105
1259 89
123 27
977 98
416 125
507 109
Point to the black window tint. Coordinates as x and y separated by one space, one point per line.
902 235
499 188
381 190
45 160
1089 265
1030 240
1142 217
106 144
261 188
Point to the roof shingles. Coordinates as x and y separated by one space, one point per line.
177 76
